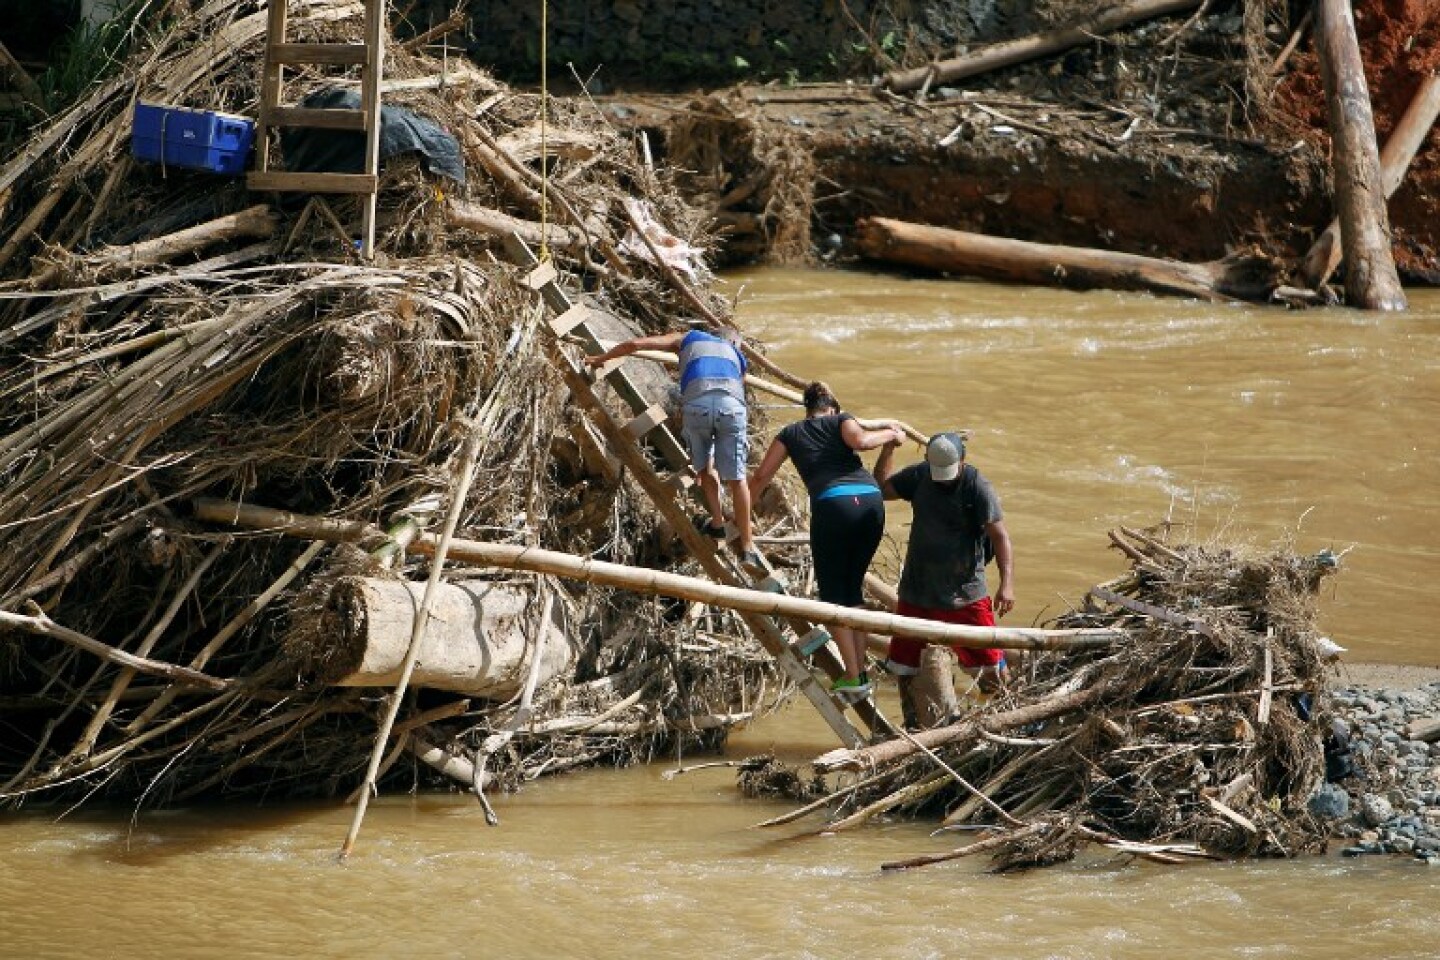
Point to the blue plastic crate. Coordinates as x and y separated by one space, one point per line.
193 139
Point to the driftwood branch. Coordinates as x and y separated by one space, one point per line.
1011 52
43 626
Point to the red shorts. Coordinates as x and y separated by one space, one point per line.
905 652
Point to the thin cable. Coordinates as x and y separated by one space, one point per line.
544 148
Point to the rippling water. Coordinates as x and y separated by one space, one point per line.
1088 411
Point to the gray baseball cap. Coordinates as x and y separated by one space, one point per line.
944 453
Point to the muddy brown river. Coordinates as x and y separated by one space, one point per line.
1088 410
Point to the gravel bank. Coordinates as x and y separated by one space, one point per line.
1388 800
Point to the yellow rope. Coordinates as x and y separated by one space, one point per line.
544 149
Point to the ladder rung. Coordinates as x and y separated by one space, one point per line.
319 119
337 54
652 417
570 319
772 584
812 641
295 182
541 275
609 367
682 482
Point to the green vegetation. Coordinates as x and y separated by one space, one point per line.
89 53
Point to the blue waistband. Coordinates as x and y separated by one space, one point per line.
848 490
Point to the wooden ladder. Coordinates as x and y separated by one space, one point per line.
274 113
648 425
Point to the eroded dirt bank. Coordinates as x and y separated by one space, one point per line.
1167 139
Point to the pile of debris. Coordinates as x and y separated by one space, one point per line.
166 335
1200 736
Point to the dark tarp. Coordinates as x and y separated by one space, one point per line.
311 150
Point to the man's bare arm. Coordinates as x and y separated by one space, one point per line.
885 469
1005 561
659 341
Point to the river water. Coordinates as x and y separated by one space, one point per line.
1088 411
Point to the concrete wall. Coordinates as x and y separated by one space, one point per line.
717 41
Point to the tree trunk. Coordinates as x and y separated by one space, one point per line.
1011 52
1245 277
933 689
476 642
1405 141
1371 282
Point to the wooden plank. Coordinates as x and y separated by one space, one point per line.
683 482
653 416
328 54
1267 685
812 641
272 82
541 275
570 319
375 22
319 119
286 182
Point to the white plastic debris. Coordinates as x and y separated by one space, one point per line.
675 252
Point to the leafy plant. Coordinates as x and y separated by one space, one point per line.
90 52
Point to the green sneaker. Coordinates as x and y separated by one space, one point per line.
852 691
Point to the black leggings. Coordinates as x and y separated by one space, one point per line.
845 532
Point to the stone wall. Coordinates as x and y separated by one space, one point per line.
720 41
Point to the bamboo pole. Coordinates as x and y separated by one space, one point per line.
1011 52
535 560
1371 282
465 471
1404 142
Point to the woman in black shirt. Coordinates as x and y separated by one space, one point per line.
847 512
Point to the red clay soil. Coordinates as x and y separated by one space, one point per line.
1400 43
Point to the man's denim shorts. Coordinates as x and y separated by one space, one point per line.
715 428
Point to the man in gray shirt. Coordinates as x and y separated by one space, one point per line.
956 517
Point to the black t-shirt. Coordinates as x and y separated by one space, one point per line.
821 454
945 561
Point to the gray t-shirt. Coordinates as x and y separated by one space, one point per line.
945 562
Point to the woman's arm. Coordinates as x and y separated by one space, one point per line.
858 438
760 479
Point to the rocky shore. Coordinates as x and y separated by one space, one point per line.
1390 802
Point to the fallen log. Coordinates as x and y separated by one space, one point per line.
1011 52
476 642
1371 281
535 560
1405 141
258 221
1237 277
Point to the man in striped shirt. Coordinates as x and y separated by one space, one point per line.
712 389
